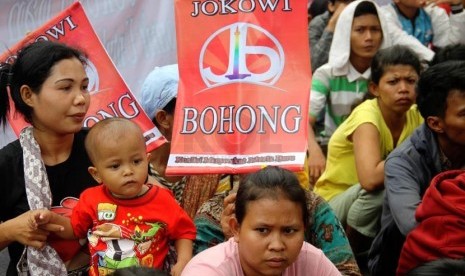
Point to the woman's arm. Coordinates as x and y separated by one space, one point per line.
316 157
370 166
184 252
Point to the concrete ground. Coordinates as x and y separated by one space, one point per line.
4 260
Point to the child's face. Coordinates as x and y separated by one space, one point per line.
366 36
270 236
396 88
122 165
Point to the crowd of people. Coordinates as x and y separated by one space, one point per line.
388 93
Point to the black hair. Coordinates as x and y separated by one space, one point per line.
318 7
440 267
450 52
31 67
139 271
168 108
270 182
365 7
436 83
395 55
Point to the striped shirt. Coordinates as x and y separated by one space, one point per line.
337 95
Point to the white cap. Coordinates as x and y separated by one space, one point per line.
159 88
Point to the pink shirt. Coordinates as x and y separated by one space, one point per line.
223 259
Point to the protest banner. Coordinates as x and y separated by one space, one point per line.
110 96
244 86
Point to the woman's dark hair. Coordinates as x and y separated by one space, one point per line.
31 67
395 55
270 182
168 108
365 7
139 271
436 83
450 52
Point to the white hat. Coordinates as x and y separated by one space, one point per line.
159 88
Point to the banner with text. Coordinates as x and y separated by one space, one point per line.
110 96
244 86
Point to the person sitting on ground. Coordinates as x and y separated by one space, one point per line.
47 166
428 23
125 220
337 85
361 30
323 231
436 146
353 182
441 221
269 225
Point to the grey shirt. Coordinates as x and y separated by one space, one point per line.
407 174
320 40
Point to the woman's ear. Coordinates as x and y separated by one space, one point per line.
435 124
26 94
235 227
373 89
94 172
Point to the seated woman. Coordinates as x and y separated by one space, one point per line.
353 180
269 225
47 166
323 230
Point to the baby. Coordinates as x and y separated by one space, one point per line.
126 221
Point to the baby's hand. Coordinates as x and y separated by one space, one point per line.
43 219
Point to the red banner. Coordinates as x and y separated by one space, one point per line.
244 86
110 96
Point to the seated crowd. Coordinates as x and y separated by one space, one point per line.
388 87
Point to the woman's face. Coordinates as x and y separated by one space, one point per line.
62 103
396 88
270 236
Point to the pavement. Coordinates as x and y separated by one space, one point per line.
4 260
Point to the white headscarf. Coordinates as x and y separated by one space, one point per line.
339 52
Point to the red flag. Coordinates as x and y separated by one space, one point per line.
110 96
244 86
